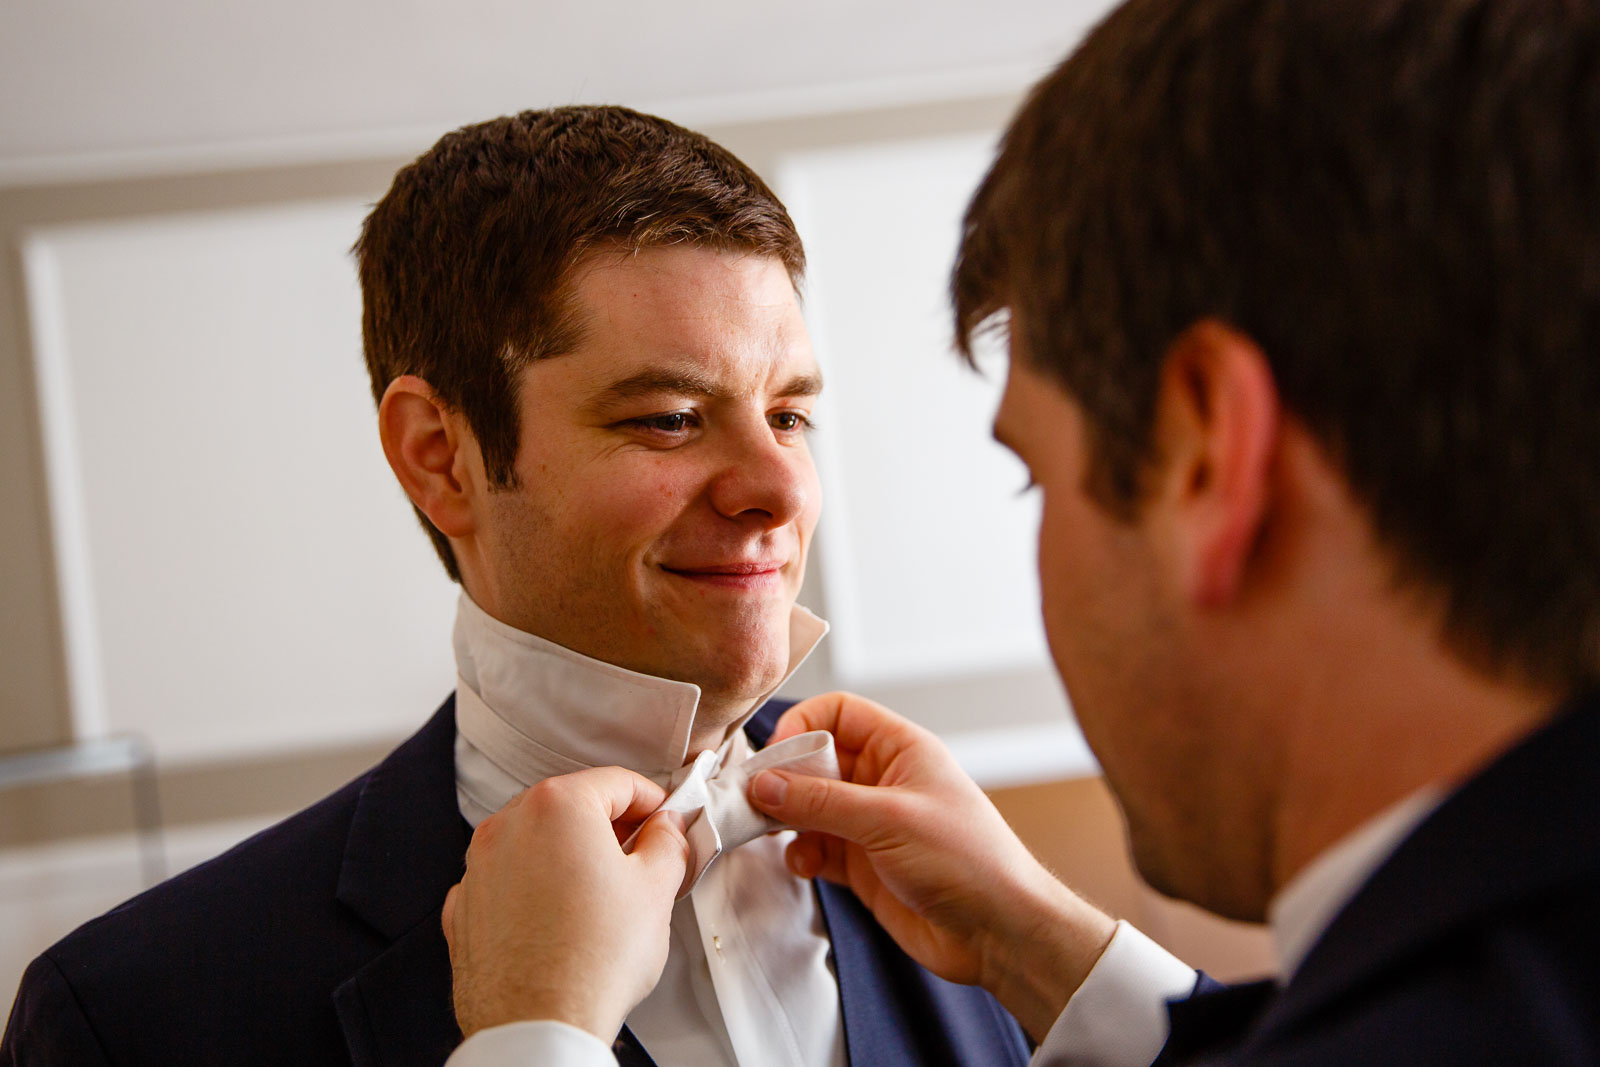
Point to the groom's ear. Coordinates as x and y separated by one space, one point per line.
433 454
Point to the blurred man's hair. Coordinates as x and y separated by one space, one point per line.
1399 201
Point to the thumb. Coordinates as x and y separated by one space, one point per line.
858 813
663 850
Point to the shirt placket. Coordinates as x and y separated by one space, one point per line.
757 1027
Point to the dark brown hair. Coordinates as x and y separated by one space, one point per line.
1399 201
464 261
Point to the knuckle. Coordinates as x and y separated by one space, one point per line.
813 799
673 827
487 834
545 796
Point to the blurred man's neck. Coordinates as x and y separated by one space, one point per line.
1335 677
1405 716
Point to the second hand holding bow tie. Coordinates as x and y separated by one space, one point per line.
713 799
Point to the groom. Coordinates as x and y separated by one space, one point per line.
595 386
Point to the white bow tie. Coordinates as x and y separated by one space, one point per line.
709 792
713 797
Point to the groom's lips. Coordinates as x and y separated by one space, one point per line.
748 575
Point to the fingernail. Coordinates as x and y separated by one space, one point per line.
769 788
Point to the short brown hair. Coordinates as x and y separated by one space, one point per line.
464 261
1399 201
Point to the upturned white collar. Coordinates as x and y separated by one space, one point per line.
559 710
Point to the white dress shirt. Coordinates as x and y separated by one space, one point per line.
748 980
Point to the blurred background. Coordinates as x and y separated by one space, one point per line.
216 604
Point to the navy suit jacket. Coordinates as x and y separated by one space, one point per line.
318 942
1477 942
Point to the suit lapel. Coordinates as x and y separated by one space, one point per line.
404 851
629 1052
873 1031
397 1009
894 1011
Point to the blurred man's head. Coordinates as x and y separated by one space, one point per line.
1370 228
594 383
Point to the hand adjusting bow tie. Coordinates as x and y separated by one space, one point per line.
713 799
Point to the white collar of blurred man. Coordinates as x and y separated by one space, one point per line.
570 711
665 495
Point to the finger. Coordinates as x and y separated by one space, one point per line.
662 851
828 858
854 721
624 795
813 713
487 831
804 855
861 813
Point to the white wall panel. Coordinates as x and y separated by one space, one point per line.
927 549
240 572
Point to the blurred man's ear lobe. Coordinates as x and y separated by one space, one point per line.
1218 422
429 448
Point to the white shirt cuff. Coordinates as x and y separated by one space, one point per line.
544 1043
1118 1017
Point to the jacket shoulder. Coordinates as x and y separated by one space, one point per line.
238 956
1520 987
47 1027
209 957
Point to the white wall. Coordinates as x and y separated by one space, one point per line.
927 548
239 571
88 78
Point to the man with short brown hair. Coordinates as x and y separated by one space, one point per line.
595 387
467 263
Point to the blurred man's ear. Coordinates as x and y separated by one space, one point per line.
430 450
1218 422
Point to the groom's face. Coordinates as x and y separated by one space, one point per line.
666 494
